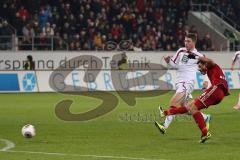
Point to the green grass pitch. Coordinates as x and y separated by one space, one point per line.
125 133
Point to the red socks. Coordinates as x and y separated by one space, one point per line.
200 121
197 116
175 110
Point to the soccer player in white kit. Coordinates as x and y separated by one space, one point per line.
185 78
234 60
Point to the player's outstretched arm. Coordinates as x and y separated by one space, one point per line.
167 59
205 60
234 59
232 65
170 62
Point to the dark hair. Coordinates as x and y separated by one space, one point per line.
29 57
201 62
193 36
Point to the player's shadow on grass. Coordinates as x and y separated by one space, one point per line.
181 139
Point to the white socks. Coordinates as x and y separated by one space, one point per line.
168 120
239 99
204 116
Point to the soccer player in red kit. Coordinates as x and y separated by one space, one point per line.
212 96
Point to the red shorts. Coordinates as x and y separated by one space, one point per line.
211 96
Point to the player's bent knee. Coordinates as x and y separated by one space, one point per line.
178 99
192 107
173 103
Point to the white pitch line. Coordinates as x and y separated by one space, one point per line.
9 145
79 155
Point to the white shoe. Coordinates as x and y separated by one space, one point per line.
237 107
161 112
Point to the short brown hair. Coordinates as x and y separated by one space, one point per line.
193 36
201 62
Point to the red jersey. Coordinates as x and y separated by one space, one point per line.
217 77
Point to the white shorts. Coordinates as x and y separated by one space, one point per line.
186 87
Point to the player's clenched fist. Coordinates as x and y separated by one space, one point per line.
167 59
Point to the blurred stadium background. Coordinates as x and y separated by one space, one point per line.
60 35
153 25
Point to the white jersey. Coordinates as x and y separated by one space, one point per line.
237 57
186 68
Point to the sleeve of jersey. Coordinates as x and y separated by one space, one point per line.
174 61
235 57
172 64
199 54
